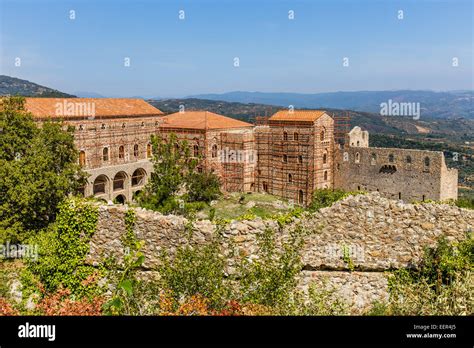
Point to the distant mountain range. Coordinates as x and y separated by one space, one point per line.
461 129
433 105
451 104
13 86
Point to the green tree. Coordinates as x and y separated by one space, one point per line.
203 187
174 169
38 169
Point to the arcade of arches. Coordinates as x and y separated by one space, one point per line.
121 187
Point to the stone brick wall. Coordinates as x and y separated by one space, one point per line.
377 233
295 158
91 137
395 173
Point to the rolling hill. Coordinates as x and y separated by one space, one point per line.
13 86
459 130
453 104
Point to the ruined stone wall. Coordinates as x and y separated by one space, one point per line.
396 173
379 235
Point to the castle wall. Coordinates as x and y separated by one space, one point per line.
395 173
449 183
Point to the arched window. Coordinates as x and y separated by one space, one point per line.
408 159
290 178
103 126
119 181
138 177
388 169
285 158
148 150
325 175
295 136
427 161
391 158
300 197
121 152
265 186
357 158
105 154
322 135
300 159
373 160
285 136
100 185
358 143
135 150
325 158
82 158
214 151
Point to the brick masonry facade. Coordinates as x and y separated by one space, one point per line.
286 158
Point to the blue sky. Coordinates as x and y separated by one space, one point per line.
173 57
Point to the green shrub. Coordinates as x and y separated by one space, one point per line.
467 203
269 278
195 270
319 300
443 283
326 197
62 249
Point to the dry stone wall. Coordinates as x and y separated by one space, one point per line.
349 247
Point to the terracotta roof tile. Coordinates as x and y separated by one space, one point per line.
201 120
83 107
297 115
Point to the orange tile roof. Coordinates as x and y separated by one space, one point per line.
201 120
82 107
297 115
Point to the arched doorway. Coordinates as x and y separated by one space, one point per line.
100 185
300 197
82 158
138 177
120 199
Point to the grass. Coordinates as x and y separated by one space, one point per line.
235 205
